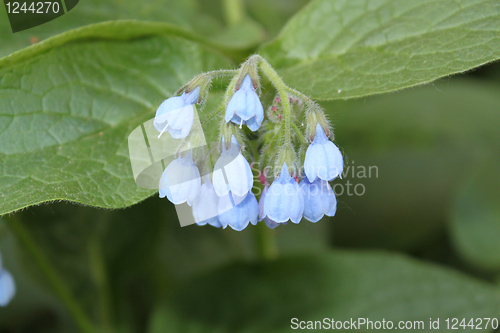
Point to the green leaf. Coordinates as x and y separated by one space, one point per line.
67 106
339 285
475 217
336 49
274 14
186 14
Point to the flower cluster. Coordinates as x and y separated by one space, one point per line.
7 286
302 156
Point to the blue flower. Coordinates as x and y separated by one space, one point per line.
232 172
7 286
323 158
270 223
319 199
245 106
180 182
176 114
284 200
237 211
205 205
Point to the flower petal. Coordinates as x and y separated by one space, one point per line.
7 287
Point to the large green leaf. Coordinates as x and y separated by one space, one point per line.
182 13
339 285
348 48
475 217
67 106
189 14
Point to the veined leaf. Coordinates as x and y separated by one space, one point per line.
340 286
349 48
67 106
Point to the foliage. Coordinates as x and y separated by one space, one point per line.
69 102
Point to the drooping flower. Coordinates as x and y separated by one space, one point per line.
245 106
284 200
237 212
176 114
232 171
7 286
319 199
323 158
270 223
205 205
180 182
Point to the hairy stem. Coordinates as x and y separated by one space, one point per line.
282 91
51 274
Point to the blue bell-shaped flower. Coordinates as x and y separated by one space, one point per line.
284 200
232 172
319 199
7 286
270 223
205 205
245 106
323 158
176 114
180 182
237 212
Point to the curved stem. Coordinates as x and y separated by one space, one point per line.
310 103
282 91
299 134
51 274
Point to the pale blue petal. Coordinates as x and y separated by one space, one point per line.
314 160
323 158
252 124
238 212
296 204
178 113
180 122
332 205
7 287
284 200
246 84
205 205
220 185
171 104
261 202
238 174
237 102
335 161
245 106
319 199
270 223
163 187
313 205
183 180
192 96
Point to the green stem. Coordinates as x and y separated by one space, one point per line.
282 91
266 242
100 276
222 72
51 274
234 11
299 134
310 103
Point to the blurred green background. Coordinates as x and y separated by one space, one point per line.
422 241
